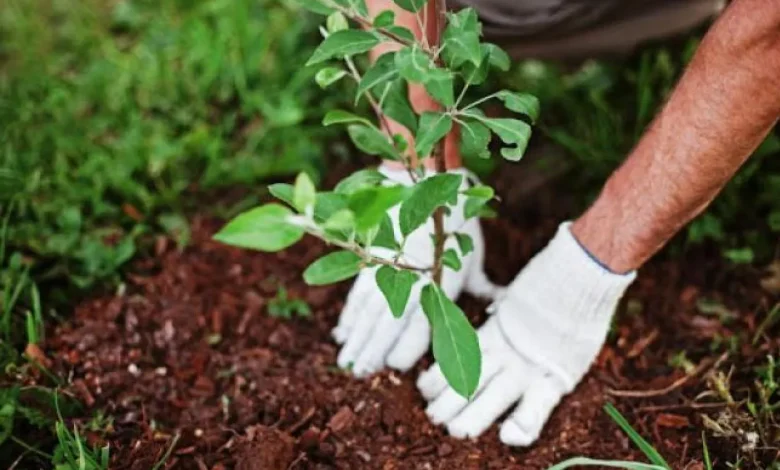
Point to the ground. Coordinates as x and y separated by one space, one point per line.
185 356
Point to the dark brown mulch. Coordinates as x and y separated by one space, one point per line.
188 349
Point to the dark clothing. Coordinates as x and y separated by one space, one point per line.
579 28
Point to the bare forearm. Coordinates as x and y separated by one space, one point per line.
723 107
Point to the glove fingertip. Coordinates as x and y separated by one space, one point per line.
513 435
339 334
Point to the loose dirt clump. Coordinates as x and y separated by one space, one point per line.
265 448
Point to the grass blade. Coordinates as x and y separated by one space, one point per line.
640 442
586 462
167 454
706 452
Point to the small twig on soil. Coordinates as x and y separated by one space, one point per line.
302 422
297 460
703 366
684 406
643 343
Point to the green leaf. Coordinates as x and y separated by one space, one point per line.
382 71
740 255
282 191
481 191
384 19
343 220
327 204
513 132
497 57
371 204
401 32
316 6
465 21
411 5
264 228
385 236
432 128
461 39
372 141
395 103
328 76
523 103
462 48
455 343
465 243
359 180
586 462
343 43
358 6
396 286
440 85
474 139
304 193
8 406
451 260
413 64
650 452
426 196
400 143
492 55
333 267
337 22
338 116
476 198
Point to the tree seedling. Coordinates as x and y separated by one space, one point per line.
354 216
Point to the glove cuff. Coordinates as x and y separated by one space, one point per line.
561 306
589 285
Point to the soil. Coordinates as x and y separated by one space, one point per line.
186 358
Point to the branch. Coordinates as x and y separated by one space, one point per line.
439 237
366 23
312 229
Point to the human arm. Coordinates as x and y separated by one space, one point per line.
721 110
545 334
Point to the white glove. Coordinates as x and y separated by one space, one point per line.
541 341
371 337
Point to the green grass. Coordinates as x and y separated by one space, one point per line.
111 113
114 116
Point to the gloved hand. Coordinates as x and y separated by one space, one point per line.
371 337
540 342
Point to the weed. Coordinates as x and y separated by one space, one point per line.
72 451
283 307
